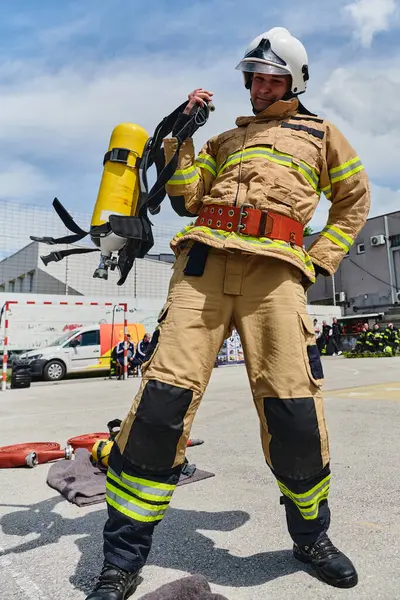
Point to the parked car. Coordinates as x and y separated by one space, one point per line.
74 352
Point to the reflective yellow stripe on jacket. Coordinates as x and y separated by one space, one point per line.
189 175
345 170
277 157
338 237
341 173
260 241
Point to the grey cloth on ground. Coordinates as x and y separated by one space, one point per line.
83 484
78 480
195 587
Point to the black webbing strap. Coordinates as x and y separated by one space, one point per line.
60 254
78 233
119 155
67 239
165 171
67 219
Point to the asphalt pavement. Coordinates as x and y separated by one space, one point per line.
231 527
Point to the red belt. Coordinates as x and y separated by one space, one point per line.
248 220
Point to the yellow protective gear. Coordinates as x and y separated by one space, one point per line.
279 159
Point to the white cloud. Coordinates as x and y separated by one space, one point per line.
21 180
54 112
361 99
384 200
370 17
61 119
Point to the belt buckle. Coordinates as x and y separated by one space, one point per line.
243 214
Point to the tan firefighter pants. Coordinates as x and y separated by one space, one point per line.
264 299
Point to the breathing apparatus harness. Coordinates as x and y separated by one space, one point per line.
136 229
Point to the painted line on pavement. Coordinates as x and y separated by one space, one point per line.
25 583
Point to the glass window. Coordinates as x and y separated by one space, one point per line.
90 338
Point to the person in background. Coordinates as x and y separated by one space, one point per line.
317 331
142 348
379 341
336 333
120 355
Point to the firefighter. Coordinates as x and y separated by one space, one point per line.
365 342
378 340
337 330
391 337
242 265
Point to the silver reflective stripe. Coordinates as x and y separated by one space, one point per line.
299 498
310 172
219 234
273 155
349 169
183 176
209 164
132 506
340 239
327 191
141 487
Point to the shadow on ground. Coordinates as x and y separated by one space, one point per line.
177 544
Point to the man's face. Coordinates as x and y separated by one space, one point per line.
268 89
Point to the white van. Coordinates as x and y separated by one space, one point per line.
74 352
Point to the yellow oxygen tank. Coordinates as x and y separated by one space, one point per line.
119 187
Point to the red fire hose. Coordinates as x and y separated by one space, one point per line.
87 440
32 454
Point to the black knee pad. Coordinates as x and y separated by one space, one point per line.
295 446
158 426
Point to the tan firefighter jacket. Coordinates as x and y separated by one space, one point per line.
279 160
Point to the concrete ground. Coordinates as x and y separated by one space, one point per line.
230 528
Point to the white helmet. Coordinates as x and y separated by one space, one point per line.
276 52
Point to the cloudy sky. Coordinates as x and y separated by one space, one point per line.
70 71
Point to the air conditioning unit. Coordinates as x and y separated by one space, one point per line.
340 297
398 295
378 240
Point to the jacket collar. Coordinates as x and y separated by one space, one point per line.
278 110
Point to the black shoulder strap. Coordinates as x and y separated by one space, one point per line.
60 254
66 218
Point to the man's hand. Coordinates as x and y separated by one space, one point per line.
198 96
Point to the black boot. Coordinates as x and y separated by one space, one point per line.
331 565
114 584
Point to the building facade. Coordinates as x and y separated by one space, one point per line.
25 272
368 278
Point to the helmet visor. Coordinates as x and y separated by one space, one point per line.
259 65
